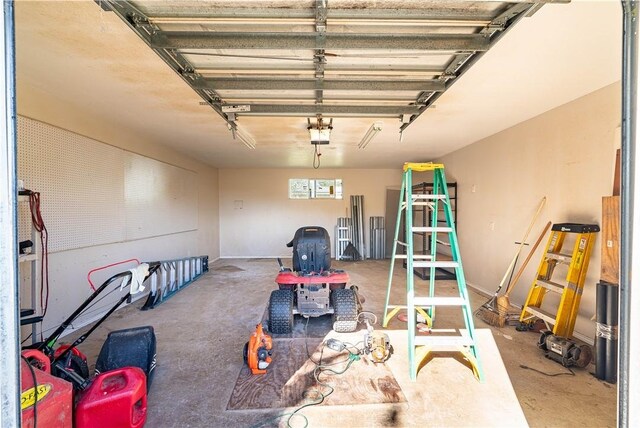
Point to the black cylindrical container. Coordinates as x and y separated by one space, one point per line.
611 370
600 341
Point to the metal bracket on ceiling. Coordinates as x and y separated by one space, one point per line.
422 99
321 16
103 5
451 72
187 71
501 22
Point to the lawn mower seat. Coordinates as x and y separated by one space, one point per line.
311 249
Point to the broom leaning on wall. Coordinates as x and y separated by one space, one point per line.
503 301
490 311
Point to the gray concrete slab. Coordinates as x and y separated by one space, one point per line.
202 329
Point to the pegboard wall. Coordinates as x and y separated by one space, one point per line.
91 193
158 197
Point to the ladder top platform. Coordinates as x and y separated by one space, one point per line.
428 166
575 227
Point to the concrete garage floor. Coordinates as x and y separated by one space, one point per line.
202 329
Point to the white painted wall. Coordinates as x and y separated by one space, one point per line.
68 269
268 218
567 155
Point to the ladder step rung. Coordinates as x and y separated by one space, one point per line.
437 264
427 196
559 256
404 244
415 256
422 204
439 301
442 229
443 341
543 315
550 285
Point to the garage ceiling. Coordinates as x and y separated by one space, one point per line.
263 67
336 58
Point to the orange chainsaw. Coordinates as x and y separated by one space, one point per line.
257 351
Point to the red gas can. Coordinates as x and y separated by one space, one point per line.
115 399
54 396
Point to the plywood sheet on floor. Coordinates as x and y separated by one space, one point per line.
447 393
289 381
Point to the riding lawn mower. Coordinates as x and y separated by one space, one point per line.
312 288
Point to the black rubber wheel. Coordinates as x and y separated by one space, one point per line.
281 312
345 310
245 353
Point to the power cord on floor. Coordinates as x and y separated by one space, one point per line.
353 355
569 373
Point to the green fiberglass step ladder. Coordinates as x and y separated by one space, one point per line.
421 345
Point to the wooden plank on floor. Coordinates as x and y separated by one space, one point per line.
290 380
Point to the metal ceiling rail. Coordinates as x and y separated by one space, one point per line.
463 13
352 21
311 101
264 99
357 71
311 84
332 110
335 41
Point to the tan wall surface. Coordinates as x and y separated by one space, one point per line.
567 155
68 269
268 218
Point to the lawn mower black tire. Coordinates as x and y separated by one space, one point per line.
281 311
345 310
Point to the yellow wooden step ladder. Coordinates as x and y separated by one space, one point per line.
570 291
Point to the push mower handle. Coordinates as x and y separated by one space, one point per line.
47 345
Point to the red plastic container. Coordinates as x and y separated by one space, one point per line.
115 399
54 406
